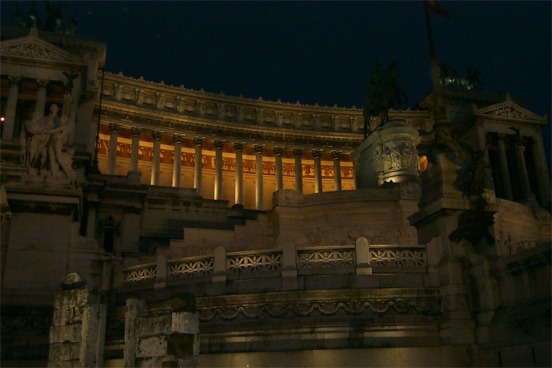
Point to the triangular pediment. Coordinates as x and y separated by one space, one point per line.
32 47
509 110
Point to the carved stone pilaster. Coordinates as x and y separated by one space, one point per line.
297 152
113 127
117 92
177 138
259 115
258 148
139 96
160 101
238 147
198 141
335 155
219 143
180 105
278 151
317 153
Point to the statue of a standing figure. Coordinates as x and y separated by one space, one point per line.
42 142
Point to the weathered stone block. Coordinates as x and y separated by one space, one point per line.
185 322
71 298
64 351
154 346
67 333
152 326
68 315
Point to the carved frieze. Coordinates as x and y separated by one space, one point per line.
38 51
426 306
509 112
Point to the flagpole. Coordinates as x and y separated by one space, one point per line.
439 114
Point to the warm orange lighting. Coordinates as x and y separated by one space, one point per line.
2 119
423 163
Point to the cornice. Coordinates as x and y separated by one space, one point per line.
140 82
180 110
171 123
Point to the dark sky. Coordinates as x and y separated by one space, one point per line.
319 52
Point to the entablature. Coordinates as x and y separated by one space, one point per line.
136 102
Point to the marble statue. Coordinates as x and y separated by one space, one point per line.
42 143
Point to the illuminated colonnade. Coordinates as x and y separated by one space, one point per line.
238 172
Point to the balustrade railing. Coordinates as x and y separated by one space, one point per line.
338 258
140 274
190 267
361 259
251 262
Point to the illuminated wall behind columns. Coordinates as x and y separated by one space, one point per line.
228 174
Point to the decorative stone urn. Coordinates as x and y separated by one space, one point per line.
388 154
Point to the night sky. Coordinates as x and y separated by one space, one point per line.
319 52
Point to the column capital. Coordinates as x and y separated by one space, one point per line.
238 146
501 135
317 153
278 151
15 80
297 152
71 76
198 141
335 155
135 131
219 143
156 134
177 138
113 127
42 83
258 148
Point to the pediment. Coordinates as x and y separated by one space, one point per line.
32 47
510 110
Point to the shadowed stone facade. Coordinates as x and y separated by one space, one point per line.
175 227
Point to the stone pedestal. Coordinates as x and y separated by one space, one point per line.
78 326
387 155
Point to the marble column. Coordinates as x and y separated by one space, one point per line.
298 170
177 163
337 170
524 175
543 178
504 171
259 177
73 94
112 154
239 173
218 169
155 158
279 174
135 134
11 108
482 140
40 99
198 164
317 171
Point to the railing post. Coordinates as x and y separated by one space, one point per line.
162 271
363 259
289 267
219 267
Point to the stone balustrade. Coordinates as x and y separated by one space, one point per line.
288 263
